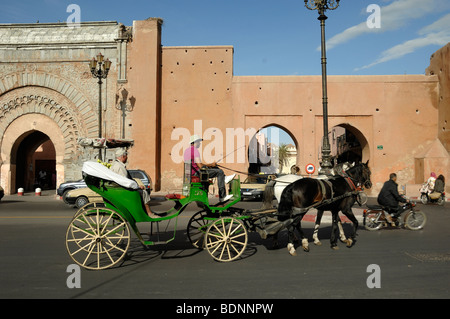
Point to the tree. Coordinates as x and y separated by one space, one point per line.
283 156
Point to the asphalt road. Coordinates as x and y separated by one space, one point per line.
404 264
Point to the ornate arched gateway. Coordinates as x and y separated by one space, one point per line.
352 146
47 104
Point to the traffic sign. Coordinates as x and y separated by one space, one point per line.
310 168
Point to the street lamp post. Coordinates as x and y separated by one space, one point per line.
100 72
321 6
125 107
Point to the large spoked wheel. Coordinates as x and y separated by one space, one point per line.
370 221
415 220
97 238
226 239
197 227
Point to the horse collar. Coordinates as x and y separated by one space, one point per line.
350 183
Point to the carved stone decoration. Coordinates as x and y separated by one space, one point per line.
125 33
36 104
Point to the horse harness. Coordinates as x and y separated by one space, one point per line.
321 200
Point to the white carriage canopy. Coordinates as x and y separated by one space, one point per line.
101 171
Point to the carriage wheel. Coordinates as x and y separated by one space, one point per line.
226 239
197 227
97 238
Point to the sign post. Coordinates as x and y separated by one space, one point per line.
310 169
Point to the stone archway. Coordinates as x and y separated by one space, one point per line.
30 109
258 158
32 161
16 133
35 83
353 147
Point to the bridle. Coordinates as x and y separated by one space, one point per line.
366 179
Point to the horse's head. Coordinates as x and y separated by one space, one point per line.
361 173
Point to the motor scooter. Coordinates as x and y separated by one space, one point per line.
410 217
431 198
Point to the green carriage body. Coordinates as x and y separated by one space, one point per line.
97 233
127 202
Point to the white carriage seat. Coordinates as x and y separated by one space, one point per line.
288 178
99 170
282 182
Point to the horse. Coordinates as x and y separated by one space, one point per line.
339 169
276 187
335 193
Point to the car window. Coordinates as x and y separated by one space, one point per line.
256 180
137 174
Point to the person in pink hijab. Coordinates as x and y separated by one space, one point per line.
431 181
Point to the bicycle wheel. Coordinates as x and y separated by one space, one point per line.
415 220
97 238
226 239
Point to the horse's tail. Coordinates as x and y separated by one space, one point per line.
268 194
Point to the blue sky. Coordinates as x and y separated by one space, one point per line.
277 37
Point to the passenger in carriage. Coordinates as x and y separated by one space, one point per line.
192 155
119 167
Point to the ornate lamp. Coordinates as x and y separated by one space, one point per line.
99 70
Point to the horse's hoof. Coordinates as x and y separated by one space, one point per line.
291 250
335 247
349 243
318 243
305 245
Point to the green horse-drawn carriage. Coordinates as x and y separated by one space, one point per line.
99 235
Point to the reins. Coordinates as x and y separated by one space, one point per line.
240 172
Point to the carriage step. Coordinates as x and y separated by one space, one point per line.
158 217
161 242
153 243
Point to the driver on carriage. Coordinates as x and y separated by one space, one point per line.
119 167
192 155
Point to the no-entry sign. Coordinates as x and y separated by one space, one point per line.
310 169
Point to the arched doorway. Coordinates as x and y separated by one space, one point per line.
348 144
272 150
32 109
34 158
